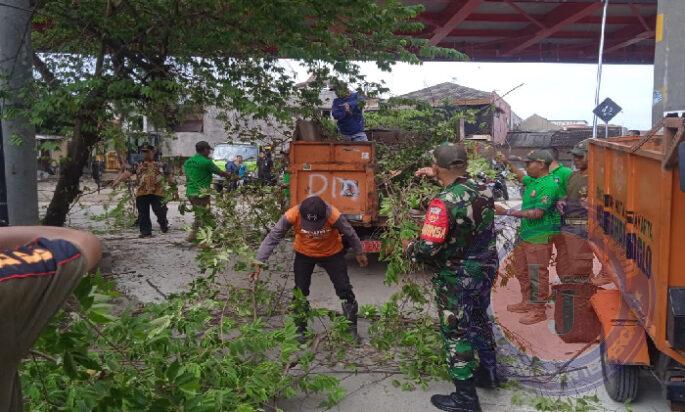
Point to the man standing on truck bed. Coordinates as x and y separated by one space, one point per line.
39 267
319 231
540 223
348 112
458 241
199 170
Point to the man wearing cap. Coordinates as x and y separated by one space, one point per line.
319 231
575 252
348 113
458 241
559 172
151 177
540 223
199 170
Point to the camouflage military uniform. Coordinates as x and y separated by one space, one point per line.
458 241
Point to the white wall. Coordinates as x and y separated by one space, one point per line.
183 143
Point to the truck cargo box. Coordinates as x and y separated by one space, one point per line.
341 173
637 220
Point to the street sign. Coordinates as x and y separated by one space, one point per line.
607 110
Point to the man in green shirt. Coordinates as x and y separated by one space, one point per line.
199 170
540 222
560 172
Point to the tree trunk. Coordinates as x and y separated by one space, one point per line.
84 139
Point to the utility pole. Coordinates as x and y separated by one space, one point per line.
669 58
18 135
598 84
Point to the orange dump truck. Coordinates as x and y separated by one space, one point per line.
342 174
637 219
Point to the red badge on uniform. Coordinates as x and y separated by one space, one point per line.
436 223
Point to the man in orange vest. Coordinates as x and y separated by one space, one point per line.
319 231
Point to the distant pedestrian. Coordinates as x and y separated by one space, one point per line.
237 170
347 110
199 170
265 166
151 178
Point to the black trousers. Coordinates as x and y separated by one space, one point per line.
335 266
144 203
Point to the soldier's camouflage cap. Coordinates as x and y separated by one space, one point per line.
540 155
449 154
580 149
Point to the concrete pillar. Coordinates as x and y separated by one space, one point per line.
18 136
669 60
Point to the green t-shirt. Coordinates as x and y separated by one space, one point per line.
199 171
561 175
541 193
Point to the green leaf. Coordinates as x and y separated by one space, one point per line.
159 325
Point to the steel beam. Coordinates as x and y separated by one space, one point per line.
558 18
434 18
509 34
525 14
462 12
629 41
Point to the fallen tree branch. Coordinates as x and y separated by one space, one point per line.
164 295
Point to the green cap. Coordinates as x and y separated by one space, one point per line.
580 149
540 155
448 155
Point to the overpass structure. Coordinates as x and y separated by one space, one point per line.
565 31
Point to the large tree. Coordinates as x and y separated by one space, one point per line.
98 60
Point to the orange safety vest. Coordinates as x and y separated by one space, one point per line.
322 243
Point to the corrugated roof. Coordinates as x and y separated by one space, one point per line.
447 91
529 139
569 138
559 138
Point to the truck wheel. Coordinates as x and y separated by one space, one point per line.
620 381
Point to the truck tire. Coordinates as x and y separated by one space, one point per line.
620 381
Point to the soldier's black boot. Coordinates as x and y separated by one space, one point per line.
350 310
463 399
301 331
301 310
487 378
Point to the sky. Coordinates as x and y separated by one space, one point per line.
553 90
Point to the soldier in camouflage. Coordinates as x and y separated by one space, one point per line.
458 241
